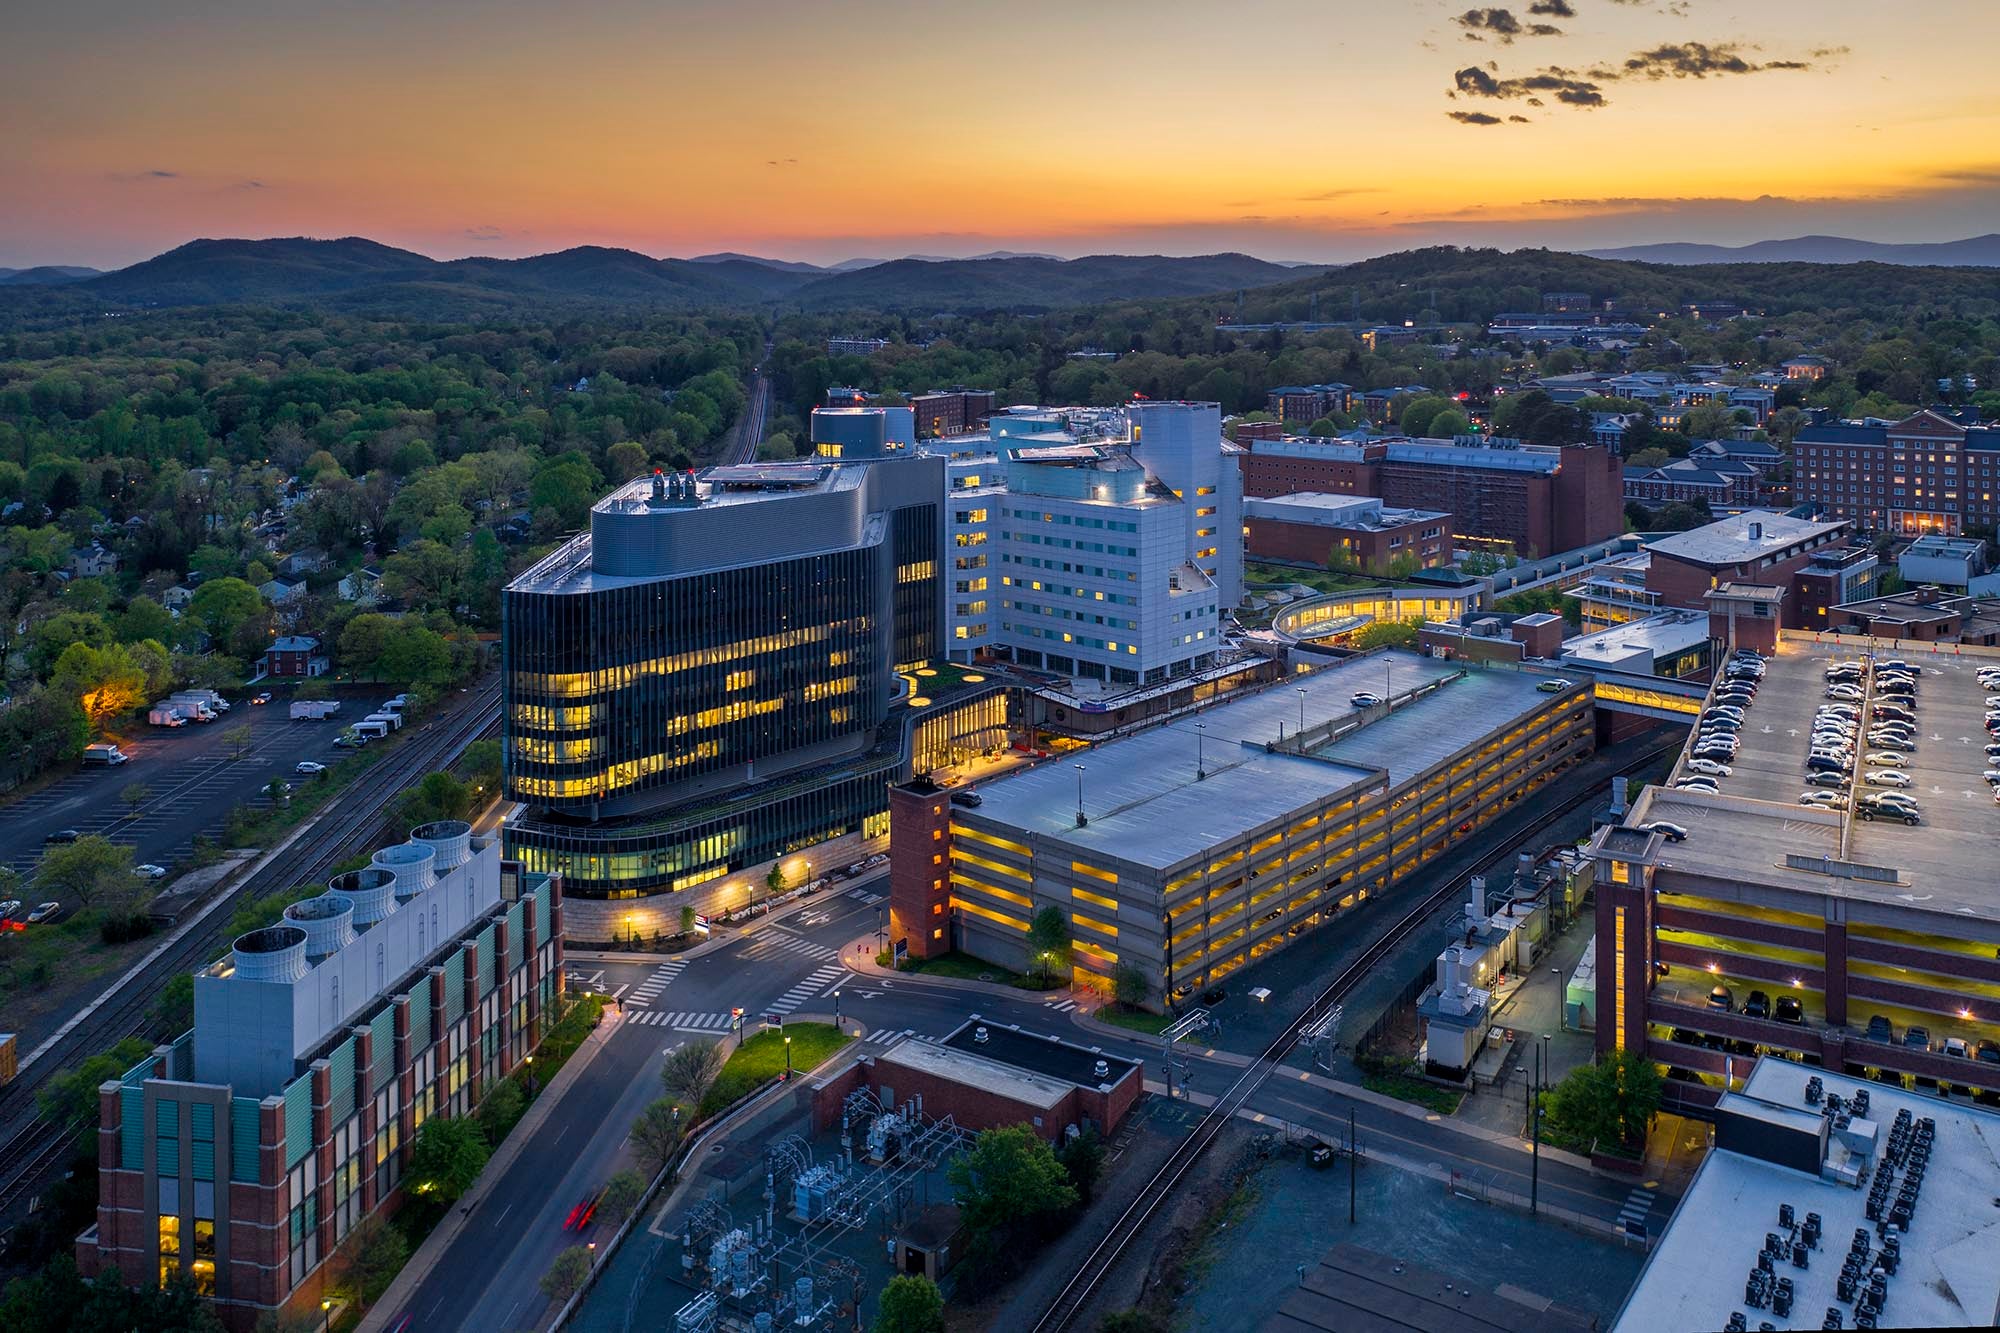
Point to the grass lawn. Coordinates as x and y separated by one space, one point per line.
964 968
1406 1089
1135 1020
761 1059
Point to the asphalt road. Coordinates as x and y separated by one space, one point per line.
191 777
489 1277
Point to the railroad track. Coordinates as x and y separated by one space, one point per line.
30 1144
1070 1301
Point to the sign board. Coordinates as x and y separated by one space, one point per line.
701 924
902 950
736 1021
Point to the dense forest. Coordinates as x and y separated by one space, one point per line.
176 488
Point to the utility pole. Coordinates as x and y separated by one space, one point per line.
1535 1132
1351 1148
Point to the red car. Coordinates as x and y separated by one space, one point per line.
581 1216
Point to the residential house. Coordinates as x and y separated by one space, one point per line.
296 656
93 560
363 586
309 561
282 589
1806 368
176 598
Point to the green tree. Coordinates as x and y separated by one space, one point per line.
775 880
172 1010
70 1096
416 655
1083 1158
448 1157
657 1135
1324 428
567 1274
1009 1187
501 1110
910 1303
368 1261
1610 1102
688 915
92 871
1419 415
223 606
688 1073
57 1299
1048 942
621 1195
106 682
626 460
566 485
144 618
55 635
1130 985
1387 634
1449 424
133 795
437 796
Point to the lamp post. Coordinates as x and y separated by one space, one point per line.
788 1059
1535 1138
1200 767
325 1312
836 1011
1302 716
1081 819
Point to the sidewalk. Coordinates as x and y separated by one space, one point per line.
425 1260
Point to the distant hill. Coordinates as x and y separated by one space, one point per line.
782 265
356 273
1473 285
45 275
1974 252
1026 282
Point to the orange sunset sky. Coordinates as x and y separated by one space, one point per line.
1294 129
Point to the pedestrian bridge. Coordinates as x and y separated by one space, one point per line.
1658 697
1339 613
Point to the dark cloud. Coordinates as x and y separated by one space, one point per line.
1518 120
1555 9
1692 60
1501 24
485 233
1473 118
781 162
251 185
1554 81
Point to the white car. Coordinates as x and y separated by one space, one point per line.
1698 784
1709 768
1846 692
1992 776
1825 800
1884 759
1886 777
1365 700
308 767
150 871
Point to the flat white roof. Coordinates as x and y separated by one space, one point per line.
1146 806
1016 1085
1728 541
1949 1276
1672 632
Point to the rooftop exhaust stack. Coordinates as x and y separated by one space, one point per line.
372 891
328 923
450 839
275 953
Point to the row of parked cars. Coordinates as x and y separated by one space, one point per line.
1787 1009
1715 734
1838 742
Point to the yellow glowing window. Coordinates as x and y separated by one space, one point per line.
1083 869
960 855
1097 926
1094 899
960 831
987 913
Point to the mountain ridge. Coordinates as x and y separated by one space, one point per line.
1971 252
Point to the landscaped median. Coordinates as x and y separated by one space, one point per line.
761 1058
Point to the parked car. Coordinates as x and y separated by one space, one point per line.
1671 832
1886 777
1364 699
1955 1048
1880 1029
1824 800
1721 999
1706 785
308 767
1884 759
9 907
60 836
1789 1010
1553 686
1709 768
1987 1052
261 698
1757 1005
150 871
968 799
44 912
1917 1037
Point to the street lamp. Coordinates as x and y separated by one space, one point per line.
788 1059
1200 768
1302 715
325 1312
1081 820
836 1011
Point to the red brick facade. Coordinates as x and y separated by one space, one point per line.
975 1108
920 870
1427 541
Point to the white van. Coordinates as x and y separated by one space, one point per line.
372 728
392 721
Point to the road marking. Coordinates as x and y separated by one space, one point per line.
846 979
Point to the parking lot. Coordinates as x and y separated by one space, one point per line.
191 778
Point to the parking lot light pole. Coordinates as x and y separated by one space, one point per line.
788 1059
836 1011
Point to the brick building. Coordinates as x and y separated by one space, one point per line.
987 1075
1543 499
295 656
1356 531
1921 615
243 1154
1925 474
1756 547
951 412
1300 405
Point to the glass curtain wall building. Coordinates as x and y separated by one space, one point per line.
702 681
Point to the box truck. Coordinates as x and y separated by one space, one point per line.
103 756
165 715
393 721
